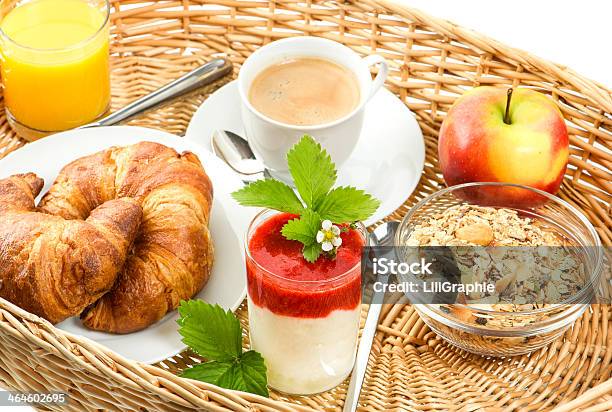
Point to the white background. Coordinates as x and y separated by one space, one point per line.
576 34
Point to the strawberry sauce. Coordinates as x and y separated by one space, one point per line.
281 280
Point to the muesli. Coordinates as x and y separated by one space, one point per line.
527 263
531 266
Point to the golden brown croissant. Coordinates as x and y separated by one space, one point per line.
172 255
54 267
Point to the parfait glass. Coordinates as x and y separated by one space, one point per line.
306 329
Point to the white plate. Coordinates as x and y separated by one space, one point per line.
387 162
229 222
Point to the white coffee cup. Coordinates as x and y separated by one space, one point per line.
271 139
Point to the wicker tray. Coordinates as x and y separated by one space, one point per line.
432 62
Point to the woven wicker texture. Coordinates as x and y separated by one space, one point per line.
432 63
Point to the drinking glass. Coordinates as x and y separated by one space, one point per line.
54 64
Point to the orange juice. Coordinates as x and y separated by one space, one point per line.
55 67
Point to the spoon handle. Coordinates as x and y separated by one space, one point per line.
363 355
195 79
383 235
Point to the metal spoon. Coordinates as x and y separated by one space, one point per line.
237 153
383 235
190 82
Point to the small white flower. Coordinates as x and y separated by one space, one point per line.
329 236
320 237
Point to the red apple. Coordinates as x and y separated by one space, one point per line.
495 135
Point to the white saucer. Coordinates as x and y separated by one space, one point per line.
387 162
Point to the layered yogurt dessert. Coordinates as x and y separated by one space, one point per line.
303 261
304 317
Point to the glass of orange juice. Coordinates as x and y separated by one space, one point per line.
54 63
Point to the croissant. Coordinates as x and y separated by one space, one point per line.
54 267
172 255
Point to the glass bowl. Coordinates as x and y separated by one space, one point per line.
488 332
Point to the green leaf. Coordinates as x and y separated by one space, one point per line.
247 373
217 336
312 170
210 331
254 373
210 372
269 193
347 204
303 229
312 252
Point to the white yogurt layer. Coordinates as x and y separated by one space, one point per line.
303 355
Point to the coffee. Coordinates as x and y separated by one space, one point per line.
305 91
